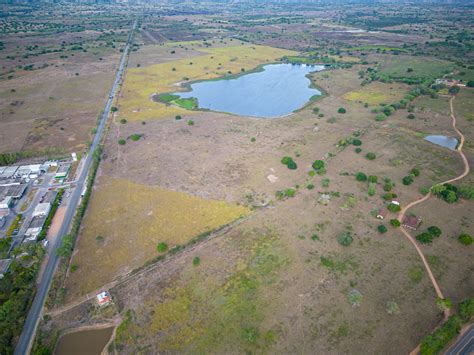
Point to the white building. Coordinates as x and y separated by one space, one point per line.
6 203
42 209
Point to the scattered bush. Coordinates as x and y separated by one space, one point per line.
425 238
325 182
424 190
389 196
380 117
373 179
371 189
407 180
162 247
356 142
341 110
121 141
395 222
289 162
411 116
382 229
123 121
190 123
310 186
371 156
360 176
318 165
392 308
286 193
388 184
345 239
466 309
177 117
415 172
393 207
196 260
358 150
135 137
434 231
465 239
447 192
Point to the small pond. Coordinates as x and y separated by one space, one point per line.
277 90
90 342
443 141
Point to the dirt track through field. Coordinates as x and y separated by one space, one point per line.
416 202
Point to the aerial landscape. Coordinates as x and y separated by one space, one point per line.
236 177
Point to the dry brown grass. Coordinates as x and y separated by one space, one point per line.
133 219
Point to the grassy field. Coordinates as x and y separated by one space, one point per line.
141 83
125 223
196 316
377 93
425 68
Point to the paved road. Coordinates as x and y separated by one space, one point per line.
464 345
29 329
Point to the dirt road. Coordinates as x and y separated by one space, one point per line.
404 210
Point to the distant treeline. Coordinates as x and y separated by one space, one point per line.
13 157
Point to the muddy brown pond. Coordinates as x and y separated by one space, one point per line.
90 342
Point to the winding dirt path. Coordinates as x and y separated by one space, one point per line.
427 196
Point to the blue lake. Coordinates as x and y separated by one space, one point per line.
276 91
443 141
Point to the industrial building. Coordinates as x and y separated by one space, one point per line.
34 229
62 171
42 209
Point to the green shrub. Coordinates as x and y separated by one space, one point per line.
425 238
380 117
318 165
435 342
341 110
360 176
325 182
289 162
177 117
114 109
434 231
358 150
196 260
121 141
315 110
465 239
373 179
411 116
310 186
345 239
135 137
395 222
123 121
407 180
162 247
371 189
253 139
382 229
467 192
394 207
190 123
388 184
466 309
371 156
356 142
424 190
312 173
415 172
389 196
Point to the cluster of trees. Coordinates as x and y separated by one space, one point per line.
427 236
13 157
451 193
408 180
436 341
17 290
289 162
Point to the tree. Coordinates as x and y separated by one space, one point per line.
382 229
360 176
341 110
114 109
411 116
415 172
121 141
470 84
356 142
177 117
